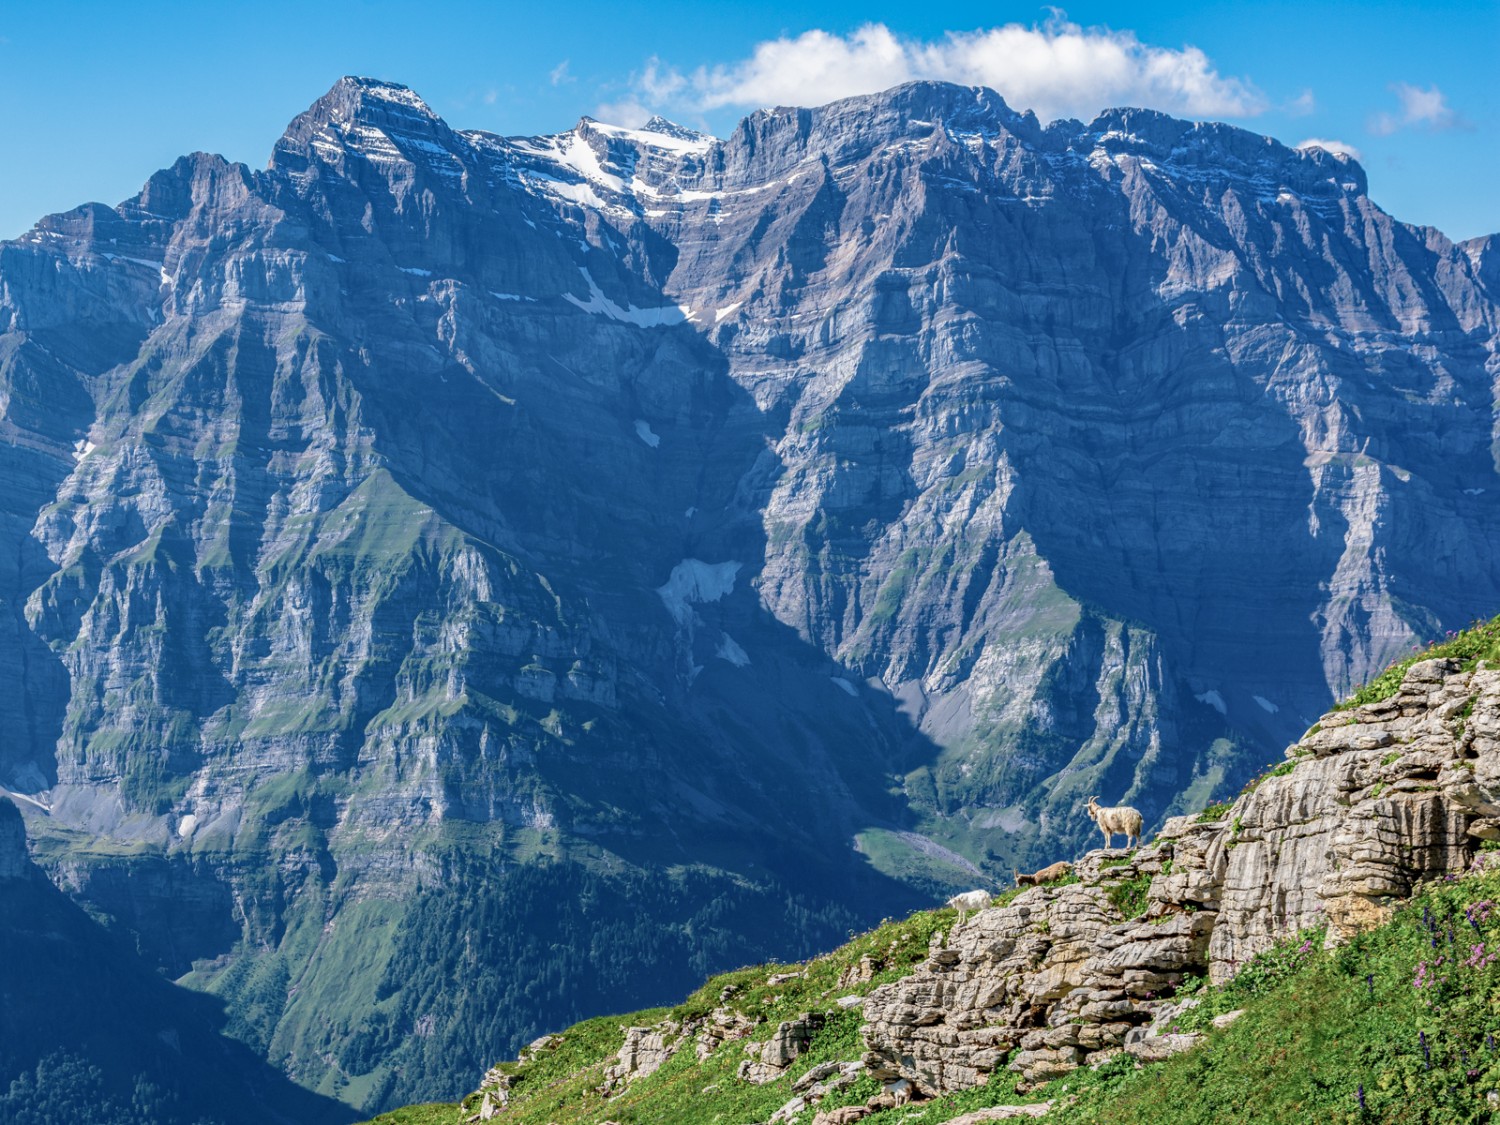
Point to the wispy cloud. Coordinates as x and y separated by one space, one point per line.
1302 105
559 74
1420 109
1056 68
629 112
1341 147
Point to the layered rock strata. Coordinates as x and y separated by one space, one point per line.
1370 802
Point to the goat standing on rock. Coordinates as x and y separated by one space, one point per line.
1121 818
969 900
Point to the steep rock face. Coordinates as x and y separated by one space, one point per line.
436 530
1376 800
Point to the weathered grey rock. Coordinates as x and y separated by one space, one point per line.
844 1115
861 972
1335 838
1341 838
644 1052
790 1040
722 1024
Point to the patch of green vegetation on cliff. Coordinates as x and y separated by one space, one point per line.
893 854
509 951
1406 1016
1480 641
433 1113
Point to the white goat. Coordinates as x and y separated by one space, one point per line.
1121 818
900 1089
969 900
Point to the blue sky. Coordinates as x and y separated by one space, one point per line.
94 97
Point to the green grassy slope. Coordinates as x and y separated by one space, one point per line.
1319 1028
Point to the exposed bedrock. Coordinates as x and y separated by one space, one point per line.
1376 800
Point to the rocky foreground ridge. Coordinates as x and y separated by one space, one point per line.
1372 802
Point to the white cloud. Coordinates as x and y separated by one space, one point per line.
1426 109
630 113
1302 105
559 74
1339 147
1057 68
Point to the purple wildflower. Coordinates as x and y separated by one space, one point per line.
1361 1095
1426 1050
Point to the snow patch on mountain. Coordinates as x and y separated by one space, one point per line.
728 649
661 317
694 582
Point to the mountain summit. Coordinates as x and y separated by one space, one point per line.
568 565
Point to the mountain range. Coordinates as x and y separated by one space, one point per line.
452 585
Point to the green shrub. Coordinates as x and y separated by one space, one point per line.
1217 811
1480 641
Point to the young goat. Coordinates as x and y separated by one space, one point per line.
1045 875
1121 818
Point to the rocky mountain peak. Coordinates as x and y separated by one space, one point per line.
383 121
659 124
1192 148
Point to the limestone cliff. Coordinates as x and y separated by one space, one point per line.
1371 802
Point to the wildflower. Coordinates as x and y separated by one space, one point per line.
1489 1042
1361 1095
1370 980
1426 1050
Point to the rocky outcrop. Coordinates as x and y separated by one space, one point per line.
643 1053
768 1061
1372 801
